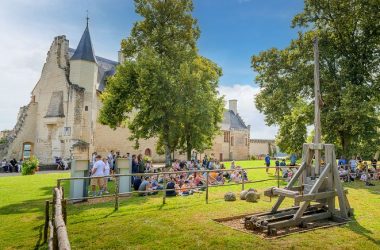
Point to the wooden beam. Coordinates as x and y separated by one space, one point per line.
314 189
311 197
290 184
317 106
339 190
285 192
306 218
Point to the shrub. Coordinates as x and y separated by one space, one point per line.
30 166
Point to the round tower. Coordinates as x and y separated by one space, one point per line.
83 64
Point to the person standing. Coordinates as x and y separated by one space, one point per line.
106 173
353 164
293 159
140 163
97 172
267 162
374 163
110 159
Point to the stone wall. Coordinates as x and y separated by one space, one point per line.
259 147
24 132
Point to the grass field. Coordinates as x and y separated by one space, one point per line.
184 222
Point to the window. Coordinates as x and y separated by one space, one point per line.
246 141
67 131
226 136
27 151
232 140
85 108
148 152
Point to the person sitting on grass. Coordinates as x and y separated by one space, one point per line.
154 184
98 172
220 179
171 186
212 177
145 186
198 179
184 191
235 176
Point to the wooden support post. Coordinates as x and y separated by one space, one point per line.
339 189
207 179
55 238
64 211
46 227
51 236
329 149
317 107
290 185
117 179
314 189
164 196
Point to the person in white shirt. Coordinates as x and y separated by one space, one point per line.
97 171
106 173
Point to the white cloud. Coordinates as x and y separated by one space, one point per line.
245 95
23 55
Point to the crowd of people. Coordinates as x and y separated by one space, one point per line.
186 177
11 166
356 168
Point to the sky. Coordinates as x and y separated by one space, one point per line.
231 32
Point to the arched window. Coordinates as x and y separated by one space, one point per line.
148 152
26 150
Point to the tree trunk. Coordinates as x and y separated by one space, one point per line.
188 151
168 156
345 143
188 148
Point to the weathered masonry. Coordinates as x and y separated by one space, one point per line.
62 113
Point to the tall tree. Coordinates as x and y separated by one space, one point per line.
158 77
349 45
201 109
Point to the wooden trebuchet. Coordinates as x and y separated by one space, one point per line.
321 188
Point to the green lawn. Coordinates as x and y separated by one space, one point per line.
184 222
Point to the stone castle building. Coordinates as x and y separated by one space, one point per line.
61 117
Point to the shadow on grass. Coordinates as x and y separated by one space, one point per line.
359 229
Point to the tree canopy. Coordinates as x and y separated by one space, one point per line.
349 46
164 89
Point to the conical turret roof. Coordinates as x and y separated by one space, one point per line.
85 51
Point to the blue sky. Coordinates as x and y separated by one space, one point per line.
231 32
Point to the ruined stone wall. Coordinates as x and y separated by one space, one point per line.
54 79
260 147
24 132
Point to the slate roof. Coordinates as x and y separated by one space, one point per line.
85 51
232 121
106 68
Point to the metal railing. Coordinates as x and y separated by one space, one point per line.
206 184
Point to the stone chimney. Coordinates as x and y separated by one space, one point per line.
232 105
